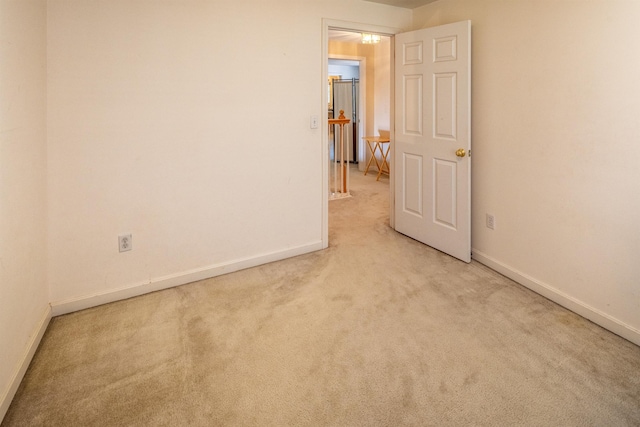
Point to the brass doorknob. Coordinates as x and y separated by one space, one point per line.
460 152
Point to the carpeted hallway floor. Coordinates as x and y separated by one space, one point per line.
377 330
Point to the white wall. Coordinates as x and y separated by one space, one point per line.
181 123
382 84
556 143
24 296
344 71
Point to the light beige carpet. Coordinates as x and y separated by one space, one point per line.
377 330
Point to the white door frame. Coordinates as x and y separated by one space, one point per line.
355 27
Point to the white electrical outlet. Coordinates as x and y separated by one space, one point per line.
491 222
125 242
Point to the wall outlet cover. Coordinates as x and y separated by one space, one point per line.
125 242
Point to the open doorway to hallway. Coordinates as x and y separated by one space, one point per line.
359 83
369 64
343 40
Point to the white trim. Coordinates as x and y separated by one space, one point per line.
392 130
593 314
157 284
21 369
357 27
324 128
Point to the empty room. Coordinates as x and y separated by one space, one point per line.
170 253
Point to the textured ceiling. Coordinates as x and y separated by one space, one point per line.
344 36
407 4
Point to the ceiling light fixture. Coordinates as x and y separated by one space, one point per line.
370 38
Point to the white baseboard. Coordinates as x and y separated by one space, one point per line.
21 369
157 284
596 316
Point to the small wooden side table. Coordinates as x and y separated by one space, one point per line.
377 141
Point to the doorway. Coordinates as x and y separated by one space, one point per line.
343 41
434 184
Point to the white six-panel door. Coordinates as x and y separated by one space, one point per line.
432 137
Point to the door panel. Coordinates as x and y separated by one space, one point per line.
412 183
412 91
444 105
412 53
432 121
444 193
